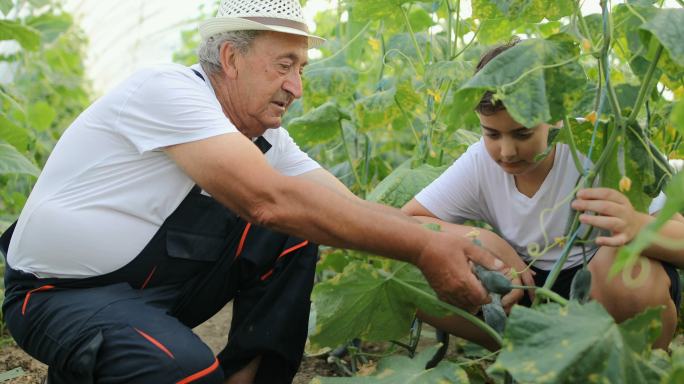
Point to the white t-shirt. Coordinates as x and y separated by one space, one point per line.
107 186
476 188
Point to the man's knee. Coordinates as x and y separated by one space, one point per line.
134 355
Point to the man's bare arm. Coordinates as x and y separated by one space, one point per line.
327 179
235 173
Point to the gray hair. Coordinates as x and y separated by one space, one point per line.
209 52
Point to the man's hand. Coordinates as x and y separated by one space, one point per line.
444 262
614 213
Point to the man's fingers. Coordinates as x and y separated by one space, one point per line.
477 294
483 258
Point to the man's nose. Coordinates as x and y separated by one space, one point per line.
293 84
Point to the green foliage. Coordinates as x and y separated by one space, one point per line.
528 79
47 91
404 183
578 343
11 161
401 369
373 303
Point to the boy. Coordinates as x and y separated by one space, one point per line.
498 181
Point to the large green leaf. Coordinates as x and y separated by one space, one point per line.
13 134
26 36
401 369
11 161
457 71
50 25
6 6
322 83
318 125
368 303
404 183
677 117
538 80
673 204
667 25
676 374
389 11
522 10
41 115
578 344
377 110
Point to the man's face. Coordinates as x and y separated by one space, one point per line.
512 145
268 78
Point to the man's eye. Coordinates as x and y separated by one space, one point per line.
285 67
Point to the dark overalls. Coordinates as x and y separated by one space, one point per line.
134 325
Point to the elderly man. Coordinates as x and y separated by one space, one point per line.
178 192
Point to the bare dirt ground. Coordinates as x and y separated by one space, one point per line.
214 332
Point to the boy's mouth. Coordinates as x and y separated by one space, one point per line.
511 164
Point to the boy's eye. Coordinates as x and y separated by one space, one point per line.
523 135
492 135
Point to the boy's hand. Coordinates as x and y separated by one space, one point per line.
614 213
512 297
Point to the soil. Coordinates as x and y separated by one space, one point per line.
214 332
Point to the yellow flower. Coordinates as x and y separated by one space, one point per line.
473 234
374 43
625 184
560 240
586 45
591 117
435 94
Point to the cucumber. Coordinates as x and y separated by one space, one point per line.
493 281
494 314
581 286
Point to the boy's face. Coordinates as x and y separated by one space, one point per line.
512 145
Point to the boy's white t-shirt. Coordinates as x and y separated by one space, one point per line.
107 186
474 187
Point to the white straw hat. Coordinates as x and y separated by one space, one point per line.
262 15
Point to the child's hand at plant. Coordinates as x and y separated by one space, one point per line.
512 297
614 213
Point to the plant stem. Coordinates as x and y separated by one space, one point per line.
450 47
349 158
549 294
413 36
587 181
573 146
646 86
458 24
605 49
464 314
583 23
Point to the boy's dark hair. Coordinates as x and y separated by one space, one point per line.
487 106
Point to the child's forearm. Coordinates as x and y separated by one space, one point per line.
490 241
673 229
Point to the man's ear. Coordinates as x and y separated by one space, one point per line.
229 56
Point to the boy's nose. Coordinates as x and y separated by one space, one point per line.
508 150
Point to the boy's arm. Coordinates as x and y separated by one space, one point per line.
616 214
490 241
